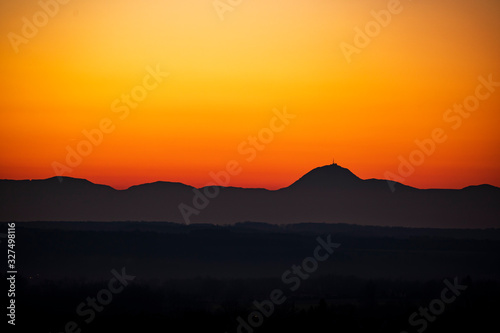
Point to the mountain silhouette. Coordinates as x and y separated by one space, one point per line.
330 194
328 176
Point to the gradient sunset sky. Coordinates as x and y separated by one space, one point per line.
226 77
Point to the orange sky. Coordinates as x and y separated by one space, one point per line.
226 77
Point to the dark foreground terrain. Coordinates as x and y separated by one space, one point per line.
253 277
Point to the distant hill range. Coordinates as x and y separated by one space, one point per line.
329 194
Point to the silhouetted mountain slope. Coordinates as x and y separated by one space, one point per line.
326 194
327 177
